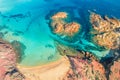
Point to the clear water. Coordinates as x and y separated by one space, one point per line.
24 21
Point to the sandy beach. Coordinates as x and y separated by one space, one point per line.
52 71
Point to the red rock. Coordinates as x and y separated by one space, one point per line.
88 69
115 71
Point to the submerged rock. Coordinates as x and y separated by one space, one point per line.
19 49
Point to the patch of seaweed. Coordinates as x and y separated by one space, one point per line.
19 49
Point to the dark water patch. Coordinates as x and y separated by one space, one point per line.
19 49
53 2
17 33
16 16
3 27
33 19
49 46
88 47
1 35
117 30
109 59
2 15
20 15
68 10
48 1
50 57
85 22
102 7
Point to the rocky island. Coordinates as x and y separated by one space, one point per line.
61 27
106 31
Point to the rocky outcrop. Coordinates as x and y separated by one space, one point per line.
61 27
106 31
84 69
59 15
115 71
8 70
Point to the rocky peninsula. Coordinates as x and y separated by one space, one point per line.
8 57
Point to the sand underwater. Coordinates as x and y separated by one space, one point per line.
59 38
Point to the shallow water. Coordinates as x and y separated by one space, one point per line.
24 21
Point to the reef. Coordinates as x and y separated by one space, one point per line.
61 26
106 31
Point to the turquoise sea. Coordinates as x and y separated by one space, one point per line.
26 21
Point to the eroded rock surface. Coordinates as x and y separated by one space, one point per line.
84 69
60 15
115 71
8 70
61 27
106 31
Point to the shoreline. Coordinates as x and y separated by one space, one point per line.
56 58
41 65
55 70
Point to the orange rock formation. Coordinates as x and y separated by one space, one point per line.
105 31
60 15
61 27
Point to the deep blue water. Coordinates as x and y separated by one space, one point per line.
26 21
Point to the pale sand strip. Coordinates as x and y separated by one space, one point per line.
53 71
